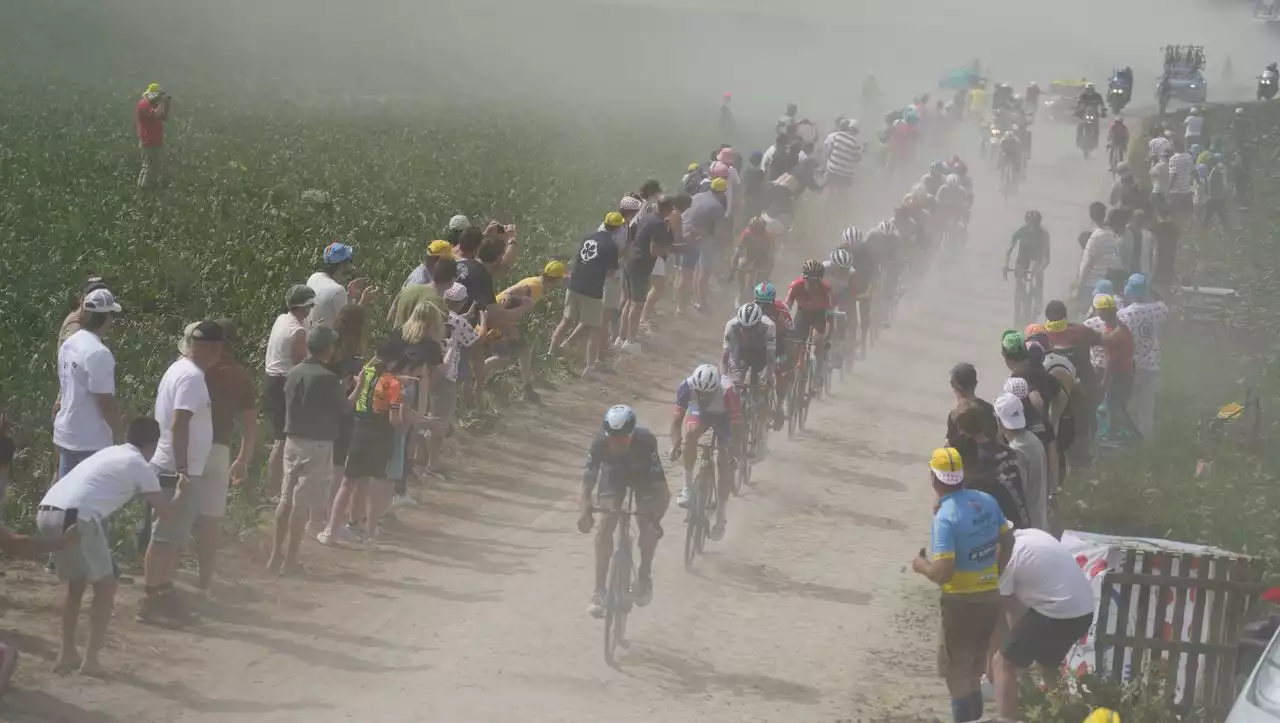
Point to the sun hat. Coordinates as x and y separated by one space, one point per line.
92 284
1104 286
1009 411
300 296
442 249
457 292
719 185
554 269
946 466
1135 289
613 219
199 331
100 301
1017 386
629 203
459 222
337 252
1104 301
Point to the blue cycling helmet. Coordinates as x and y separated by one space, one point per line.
766 292
938 167
909 114
1194 150
620 420
336 253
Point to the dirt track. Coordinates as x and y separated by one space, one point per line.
477 612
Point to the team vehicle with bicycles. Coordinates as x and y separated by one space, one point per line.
1183 78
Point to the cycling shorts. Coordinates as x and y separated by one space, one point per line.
808 320
718 423
747 359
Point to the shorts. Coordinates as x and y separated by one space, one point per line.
273 405
718 423
90 561
371 444
659 267
967 627
1044 640
69 459
176 529
442 405
612 291
748 359
583 309
652 498
215 482
343 442
807 320
307 472
635 285
688 259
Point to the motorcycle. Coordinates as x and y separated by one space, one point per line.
1087 132
1266 86
1118 98
989 147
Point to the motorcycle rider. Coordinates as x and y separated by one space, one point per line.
1267 82
1032 95
1089 98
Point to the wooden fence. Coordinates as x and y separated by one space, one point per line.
1185 610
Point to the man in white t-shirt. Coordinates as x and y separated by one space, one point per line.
1038 574
86 417
332 284
184 412
1194 127
86 497
1144 316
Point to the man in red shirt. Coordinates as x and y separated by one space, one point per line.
1117 341
151 113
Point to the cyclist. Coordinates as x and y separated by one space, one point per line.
811 297
753 256
957 166
707 400
866 276
841 275
936 176
1011 153
623 456
952 202
1031 241
750 349
774 310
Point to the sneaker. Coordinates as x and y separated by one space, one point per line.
618 343
596 607
717 531
403 501
630 347
326 539
643 594
682 499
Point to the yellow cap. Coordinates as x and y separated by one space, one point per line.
719 185
1033 329
554 269
947 466
692 167
154 88
1103 715
613 219
1230 411
442 249
1104 301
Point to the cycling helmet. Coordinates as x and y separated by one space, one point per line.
938 167
953 180
886 228
851 236
336 253
619 421
757 225
812 269
1033 217
766 292
749 314
706 378
842 259
1088 86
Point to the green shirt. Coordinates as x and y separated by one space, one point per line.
313 402
414 294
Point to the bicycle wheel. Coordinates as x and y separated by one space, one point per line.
793 404
745 447
693 521
617 604
802 416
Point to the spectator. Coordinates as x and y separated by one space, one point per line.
86 415
87 497
1101 253
286 347
653 240
1144 316
597 258
659 279
1218 191
347 362
150 115
753 181
186 438
1167 236
614 293
436 250
519 299
231 397
71 324
476 275
333 283
968 527
1181 180
1033 464
16 545
314 405
1018 387
453 231
1038 574
1160 180
704 227
964 383
419 341
1117 345
997 472
443 400
446 274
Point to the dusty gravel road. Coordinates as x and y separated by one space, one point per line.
477 611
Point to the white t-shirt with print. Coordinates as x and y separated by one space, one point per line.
104 483
1097 353
1144 320
183 387
1044 576
330 298
85 368
462 336
1194 125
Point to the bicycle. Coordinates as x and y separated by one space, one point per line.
757 418
798 411
839 358
703 500
745 447
1009 176
618 598
1028 295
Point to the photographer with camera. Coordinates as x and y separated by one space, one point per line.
152 112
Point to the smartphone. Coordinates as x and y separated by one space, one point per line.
69 518
923 553
168 481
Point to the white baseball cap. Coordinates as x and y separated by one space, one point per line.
100 301
1009 411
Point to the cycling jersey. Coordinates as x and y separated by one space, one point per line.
932 182
808 297
783 322
966 528
841 283
952 198
1031 244
640 466
751 347
723 402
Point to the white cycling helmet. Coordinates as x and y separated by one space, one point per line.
953 180
706 378
842 259
619 420
748 315
851 236
887 228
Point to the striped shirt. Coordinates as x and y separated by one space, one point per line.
1181 168
843 154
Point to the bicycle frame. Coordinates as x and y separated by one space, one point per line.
618 595
702 499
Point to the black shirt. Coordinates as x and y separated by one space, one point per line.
997 474
639 467
653 230
596 259
968 448
479 284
